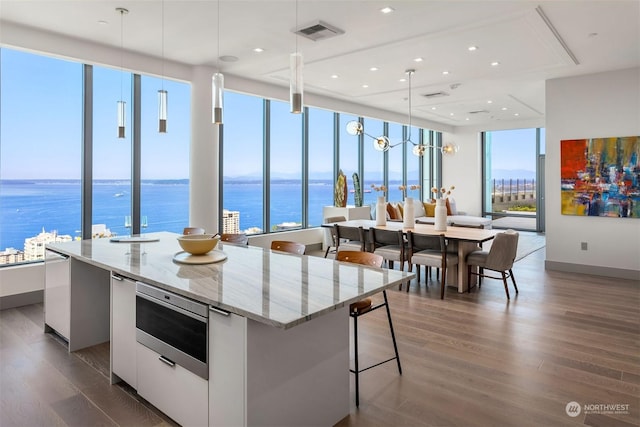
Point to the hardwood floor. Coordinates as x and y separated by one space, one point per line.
468 360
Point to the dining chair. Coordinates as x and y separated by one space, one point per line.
430 251
193 230
334 242
391 245
289 247
348 238
499 258
363 307
235 238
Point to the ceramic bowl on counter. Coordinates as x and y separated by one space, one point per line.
198 244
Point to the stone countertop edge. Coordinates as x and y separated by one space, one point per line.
62 249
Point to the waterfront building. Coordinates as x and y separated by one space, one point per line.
230 221
34 246
11 256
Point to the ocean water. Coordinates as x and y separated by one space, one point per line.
27 207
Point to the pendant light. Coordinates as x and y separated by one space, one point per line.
295 84
162 94
122 106
217 83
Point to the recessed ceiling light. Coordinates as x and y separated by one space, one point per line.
451 114
445 73
258 50
365 86
228 58
495 63
101 22
504 108
472 48
433 108
516 114
373 69
418 59
402 80
489 102
467 119
334 76
387 9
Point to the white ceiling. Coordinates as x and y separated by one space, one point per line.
532 40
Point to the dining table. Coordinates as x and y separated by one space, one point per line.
467 240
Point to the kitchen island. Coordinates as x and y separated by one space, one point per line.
278 327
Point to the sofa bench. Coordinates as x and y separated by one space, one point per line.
424 214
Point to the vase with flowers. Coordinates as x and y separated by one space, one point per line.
408 211
441 195
381 206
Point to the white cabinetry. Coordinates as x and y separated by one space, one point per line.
123 329
227 373
177 392
57 299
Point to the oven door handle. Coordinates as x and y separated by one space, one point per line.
167 361
172 307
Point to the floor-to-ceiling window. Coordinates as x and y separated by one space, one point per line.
285 145
111 154
321 149
396 162
510 163
40 153
164 188
373 162
242 162
348 154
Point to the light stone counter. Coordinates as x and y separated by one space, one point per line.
276 289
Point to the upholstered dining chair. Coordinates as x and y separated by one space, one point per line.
193 230
499 258
349 238
365 306
235 238
290 247
430 251
334 242
391 245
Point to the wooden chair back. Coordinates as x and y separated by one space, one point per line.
237 238
193 230
290 247
363 258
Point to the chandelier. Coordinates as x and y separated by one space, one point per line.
382 143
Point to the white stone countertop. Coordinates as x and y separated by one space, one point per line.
277 289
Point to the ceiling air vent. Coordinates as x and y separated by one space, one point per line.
319 30
479 112
435 94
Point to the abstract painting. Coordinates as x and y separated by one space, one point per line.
601 177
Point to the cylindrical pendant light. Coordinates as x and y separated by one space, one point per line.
162 110
162 93
295 87
121 104
217 87
217 84
122 109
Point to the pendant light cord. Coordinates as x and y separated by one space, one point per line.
410 72
296 29
121 50
218 56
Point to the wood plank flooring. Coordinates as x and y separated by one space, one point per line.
468 360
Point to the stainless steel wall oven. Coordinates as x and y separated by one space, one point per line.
174 327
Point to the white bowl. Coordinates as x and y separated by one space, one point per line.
198 244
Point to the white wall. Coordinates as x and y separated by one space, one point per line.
464 171
597 105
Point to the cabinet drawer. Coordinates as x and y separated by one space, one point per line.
177 392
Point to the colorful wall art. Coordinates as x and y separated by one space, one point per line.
601 177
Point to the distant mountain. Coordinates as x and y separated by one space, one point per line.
513 174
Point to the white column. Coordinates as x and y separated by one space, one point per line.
203 175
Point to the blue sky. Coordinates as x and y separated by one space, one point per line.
41 119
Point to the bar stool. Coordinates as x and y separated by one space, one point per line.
365 306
